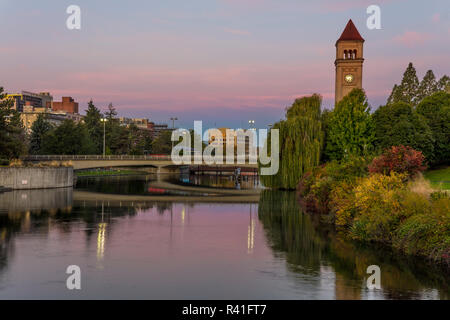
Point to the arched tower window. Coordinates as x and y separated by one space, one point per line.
345 54
354 54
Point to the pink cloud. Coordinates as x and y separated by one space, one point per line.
436 18
237 32
412 38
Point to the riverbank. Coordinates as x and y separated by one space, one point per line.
100 173
401 210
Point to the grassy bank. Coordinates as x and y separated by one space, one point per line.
439 178
398 209
99 173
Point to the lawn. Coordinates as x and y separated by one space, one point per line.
439 178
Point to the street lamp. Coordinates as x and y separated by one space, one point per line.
173 125
104 134
251 123
173 122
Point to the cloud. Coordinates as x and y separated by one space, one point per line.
412 38
436 18
237 32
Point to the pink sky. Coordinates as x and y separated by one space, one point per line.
223 62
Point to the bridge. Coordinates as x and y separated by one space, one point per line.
80 162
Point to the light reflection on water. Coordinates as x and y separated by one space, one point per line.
178 249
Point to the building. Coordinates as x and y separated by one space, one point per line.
233 139
349 61
31 113
141 123
158 129
67 104
37 100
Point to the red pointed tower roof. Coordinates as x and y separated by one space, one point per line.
350 32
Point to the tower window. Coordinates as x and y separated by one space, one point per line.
354 54
345 54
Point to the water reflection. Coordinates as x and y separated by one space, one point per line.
219 181
183 249
313 248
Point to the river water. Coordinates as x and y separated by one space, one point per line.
134 239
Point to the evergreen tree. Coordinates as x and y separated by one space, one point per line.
136 140
111 113
163 143
117 138
436 110
399 124
68 138
396 95
427 86
94 126
350 129
409 85
411 92
12 133
444 84
301 140
39 128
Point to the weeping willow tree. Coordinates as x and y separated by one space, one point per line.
301 142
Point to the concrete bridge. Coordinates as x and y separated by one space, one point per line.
99 161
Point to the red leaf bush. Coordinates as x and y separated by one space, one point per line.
400 159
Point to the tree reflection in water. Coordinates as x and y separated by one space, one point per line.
311 247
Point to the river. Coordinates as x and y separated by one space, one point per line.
134 238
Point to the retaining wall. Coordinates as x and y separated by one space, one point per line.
36 178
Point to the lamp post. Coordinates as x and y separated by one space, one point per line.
104 134
251 124
173 122
173 125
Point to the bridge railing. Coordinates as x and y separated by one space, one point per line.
152 157
94 157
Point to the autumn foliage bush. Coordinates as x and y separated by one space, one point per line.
391 204
400 159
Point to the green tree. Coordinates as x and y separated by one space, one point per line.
111 114
12 133
117 138
350 129
444 84
436 110
301 140
68 138
163 143
427 86
412 92
399 124
407 90
39 128
136 140
94 126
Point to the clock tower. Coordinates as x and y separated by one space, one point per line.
349 61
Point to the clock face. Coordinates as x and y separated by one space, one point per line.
349 78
